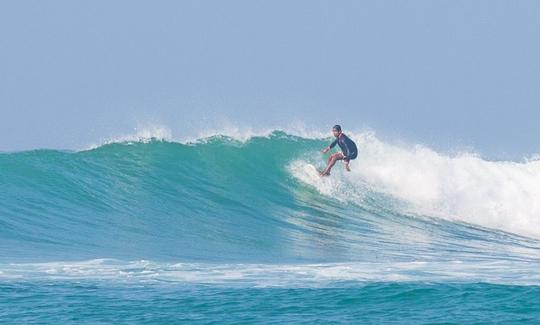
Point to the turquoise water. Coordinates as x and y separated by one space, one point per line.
222 230
390 303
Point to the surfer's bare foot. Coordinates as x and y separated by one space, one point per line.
348 168
322 173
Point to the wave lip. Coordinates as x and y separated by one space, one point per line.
150 133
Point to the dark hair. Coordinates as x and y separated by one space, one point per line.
337 127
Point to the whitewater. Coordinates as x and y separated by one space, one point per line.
193 227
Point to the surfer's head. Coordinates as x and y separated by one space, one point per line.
336 130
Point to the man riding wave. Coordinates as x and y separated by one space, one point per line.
348 151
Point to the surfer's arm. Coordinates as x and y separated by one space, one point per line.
332 145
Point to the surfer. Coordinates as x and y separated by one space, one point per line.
348 151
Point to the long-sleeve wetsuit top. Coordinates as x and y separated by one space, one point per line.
348 147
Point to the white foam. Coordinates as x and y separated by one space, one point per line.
502 195
278 275
336 185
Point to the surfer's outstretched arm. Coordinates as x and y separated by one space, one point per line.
332 145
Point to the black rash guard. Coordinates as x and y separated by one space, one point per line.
348 147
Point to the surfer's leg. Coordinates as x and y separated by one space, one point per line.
348 160
347 168
329 159
331 162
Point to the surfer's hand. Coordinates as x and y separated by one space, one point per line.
325 150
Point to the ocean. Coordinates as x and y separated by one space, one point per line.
221 229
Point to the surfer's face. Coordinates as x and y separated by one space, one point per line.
336 132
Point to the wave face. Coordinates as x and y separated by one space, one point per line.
221 200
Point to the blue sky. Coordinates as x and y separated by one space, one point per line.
448 74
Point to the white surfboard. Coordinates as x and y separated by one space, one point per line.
311 172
